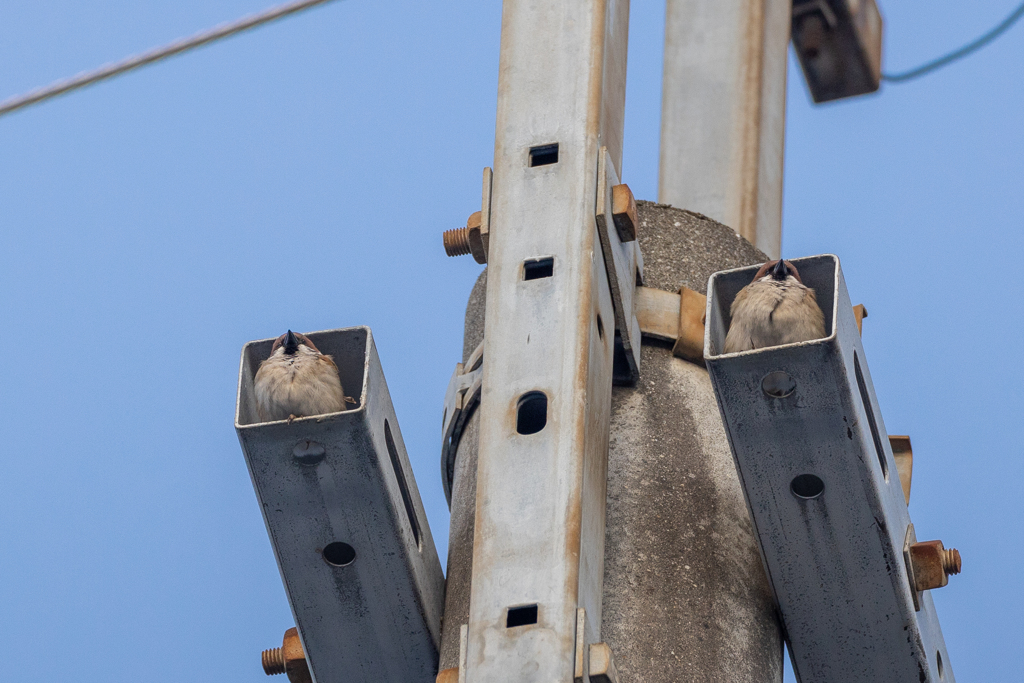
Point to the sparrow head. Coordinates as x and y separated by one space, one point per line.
779 271
291 343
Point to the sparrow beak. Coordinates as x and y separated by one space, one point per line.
291 344
780 271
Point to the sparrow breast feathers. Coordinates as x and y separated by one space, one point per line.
775 308
297 381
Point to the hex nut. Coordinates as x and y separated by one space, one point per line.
468 240
288 659
448 676
624 212
933 564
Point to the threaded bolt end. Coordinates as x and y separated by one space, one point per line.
951 563
273 661
456 242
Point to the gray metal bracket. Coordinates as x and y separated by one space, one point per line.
824 493
625 271
460 400
347 524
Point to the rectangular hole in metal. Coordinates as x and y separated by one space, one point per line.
403 485
544 155
534 269
866 400
521 616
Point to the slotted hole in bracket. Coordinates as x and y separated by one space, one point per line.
532 413
521 616
534 269
865 399
544 155
403 485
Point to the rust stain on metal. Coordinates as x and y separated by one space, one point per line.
904 456
751 81
859 312
448 676
690 338
288 659
673 317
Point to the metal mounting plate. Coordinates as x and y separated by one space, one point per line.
621 264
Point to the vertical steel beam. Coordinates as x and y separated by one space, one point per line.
723 113
538 555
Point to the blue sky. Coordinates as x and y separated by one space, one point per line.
300 176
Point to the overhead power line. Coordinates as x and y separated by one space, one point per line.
181 45
957 54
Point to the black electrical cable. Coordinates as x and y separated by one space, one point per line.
957 54
156 54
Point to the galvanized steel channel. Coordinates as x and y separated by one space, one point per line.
822 486
538 552
344 478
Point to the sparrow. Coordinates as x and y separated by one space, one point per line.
775 308
297 381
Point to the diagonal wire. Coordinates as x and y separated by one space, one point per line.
957 54
181 45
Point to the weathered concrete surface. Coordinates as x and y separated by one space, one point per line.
460 540
685 596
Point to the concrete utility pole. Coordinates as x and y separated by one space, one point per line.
685 595
537 588
723 113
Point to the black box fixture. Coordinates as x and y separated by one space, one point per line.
839 45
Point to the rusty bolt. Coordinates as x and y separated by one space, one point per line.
288 659
456 242
448 676
933 564
624 212
468 240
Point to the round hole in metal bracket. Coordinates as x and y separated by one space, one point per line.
531 413
600 326
778 384
308 452
938 663
338 554
806 486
